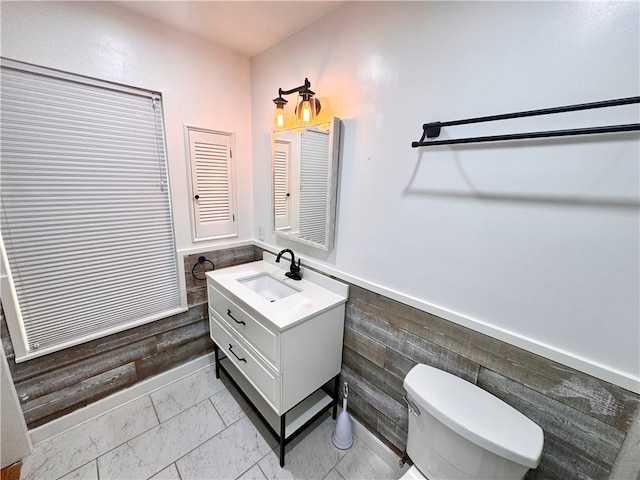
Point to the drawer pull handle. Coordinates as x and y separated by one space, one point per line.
237 321
234 354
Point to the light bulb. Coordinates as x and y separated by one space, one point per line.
280 117
306 111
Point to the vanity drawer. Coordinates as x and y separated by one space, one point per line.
263 378
244 324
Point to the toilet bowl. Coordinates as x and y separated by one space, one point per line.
457 431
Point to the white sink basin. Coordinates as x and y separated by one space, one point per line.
259 286
268 287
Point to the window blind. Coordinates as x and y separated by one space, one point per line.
85 218
314 185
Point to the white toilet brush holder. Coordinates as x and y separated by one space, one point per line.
343 434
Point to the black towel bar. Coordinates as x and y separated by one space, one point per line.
432 130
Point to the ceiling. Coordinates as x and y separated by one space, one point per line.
246 27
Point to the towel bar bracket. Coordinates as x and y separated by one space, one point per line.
432 130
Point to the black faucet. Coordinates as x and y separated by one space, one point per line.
294 270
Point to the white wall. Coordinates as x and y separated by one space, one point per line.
535 242
201 84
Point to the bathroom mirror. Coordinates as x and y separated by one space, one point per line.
305 181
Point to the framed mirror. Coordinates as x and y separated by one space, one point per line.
305 164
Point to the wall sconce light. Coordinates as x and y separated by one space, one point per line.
306 108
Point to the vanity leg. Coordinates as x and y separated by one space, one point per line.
282 434
217 360
336 384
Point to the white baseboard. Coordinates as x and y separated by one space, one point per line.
117 399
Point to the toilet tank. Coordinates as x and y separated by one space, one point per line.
463 432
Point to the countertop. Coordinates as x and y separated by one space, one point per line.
311 299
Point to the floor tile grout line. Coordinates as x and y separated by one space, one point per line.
148 430
274 451
250 467
243 414
160 423
214 407
116 446
155 409
132 438
180 380
157 425
329 473
176 467
197 446
204 441
260 468
83 465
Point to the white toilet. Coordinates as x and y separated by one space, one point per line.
457 431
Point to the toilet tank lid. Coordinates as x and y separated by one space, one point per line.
475 414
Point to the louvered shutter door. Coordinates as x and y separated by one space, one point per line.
281 195
314 185
86 219
212 183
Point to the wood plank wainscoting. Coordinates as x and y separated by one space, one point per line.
585 420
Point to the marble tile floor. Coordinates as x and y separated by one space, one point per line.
197 427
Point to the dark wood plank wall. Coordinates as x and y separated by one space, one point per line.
585 420
61 382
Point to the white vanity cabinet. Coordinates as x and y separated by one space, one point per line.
279 353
